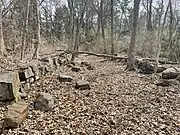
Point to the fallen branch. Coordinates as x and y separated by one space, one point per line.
95 54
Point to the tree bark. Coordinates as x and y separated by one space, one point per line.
37 34
149 18
102 24
71 36
130 63
25 29
2 46
170 26
112 28
78 28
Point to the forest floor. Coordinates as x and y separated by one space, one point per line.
118 103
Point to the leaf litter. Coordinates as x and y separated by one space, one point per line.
118 103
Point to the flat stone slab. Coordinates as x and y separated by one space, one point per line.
16 114
9 86
65 78
44 102
82 85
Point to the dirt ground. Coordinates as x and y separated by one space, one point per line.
118 103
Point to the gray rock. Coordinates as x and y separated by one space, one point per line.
25 87
9 86
82 85
25 74
170 73
23 95
65 78
44 102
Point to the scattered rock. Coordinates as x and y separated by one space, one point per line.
44 69
164 83
85 63
55 62
90 67
25 87
75 69
23 95
145 66
170 73
25 74
31 80
160 69
9 86
82 85
65 78
16 114
44 102
35 69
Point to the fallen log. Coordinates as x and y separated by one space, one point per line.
95 54
161 61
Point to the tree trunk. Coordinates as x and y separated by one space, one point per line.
160 33
112 27
99 26
78 29
149 18
2 46
25 29
130 63
102 24
170 26
71 36
37 34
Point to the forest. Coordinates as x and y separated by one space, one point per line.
90 67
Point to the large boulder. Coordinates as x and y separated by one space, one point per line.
16 114
145 66
9 86
170 73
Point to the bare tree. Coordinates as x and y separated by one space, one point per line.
112 27
102 23
37 31
130 64
149 15
2 46
25 28
71 8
